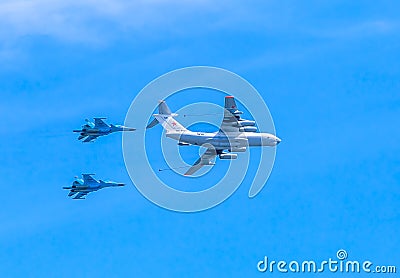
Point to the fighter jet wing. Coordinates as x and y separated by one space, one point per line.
87 178
231 116
98 122
90 138
205 159
71 193
80 195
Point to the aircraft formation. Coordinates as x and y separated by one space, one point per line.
90 132
235 135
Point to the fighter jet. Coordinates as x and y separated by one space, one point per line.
81 187
91 131
235 134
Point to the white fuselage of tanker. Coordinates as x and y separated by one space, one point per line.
226 140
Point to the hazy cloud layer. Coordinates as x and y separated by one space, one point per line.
97 21
88 20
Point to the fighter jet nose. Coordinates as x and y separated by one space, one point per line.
278 140
128 128
121 184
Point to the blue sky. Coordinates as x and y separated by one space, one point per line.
329 72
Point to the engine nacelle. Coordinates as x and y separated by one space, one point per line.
248 129
183 144
243 123
228 156
238 149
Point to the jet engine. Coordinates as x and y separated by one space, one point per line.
228 156
248 129
238 149
183 144
243 123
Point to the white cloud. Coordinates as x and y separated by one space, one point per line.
100 20
88 20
